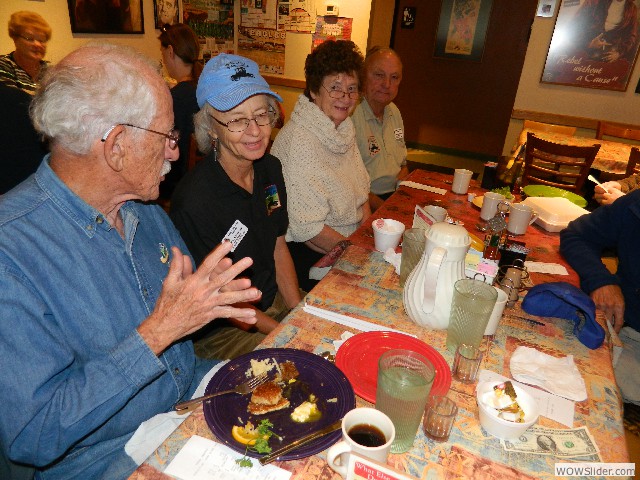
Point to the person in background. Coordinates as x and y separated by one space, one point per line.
97 291
327 183
21 146
238 184
22 68
615 189
615 226
180 52
379 126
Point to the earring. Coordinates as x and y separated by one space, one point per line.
216 143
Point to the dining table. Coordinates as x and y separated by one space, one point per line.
363 285
612 157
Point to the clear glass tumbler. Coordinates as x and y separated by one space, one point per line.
404 382
471 308
413 243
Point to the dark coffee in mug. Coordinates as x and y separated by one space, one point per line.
367 435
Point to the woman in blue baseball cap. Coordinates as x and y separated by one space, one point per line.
326 178
237 192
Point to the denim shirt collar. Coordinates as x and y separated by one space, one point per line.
88 218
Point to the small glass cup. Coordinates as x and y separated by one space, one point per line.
466 363
413 243
438 418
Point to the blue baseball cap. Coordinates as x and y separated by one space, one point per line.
228 80
563 300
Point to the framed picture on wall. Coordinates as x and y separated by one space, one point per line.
594 44
462 29
166 12
106 16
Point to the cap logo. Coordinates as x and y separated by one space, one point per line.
241 70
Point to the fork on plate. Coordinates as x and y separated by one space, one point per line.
242 389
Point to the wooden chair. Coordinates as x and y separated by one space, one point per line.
618 131
633 167
549 127
561 166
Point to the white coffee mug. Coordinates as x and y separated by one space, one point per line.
490 203
338 455
497 312
439 214
520 217
461 179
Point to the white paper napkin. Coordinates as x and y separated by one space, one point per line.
390 256
559 376
420 186
150 434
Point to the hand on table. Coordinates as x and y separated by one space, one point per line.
605 198
190 300
609 299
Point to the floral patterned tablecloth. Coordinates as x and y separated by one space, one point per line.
363 285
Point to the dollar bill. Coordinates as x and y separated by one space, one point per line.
574 442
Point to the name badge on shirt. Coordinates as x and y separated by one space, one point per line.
374 148
235 234
399 134
272 198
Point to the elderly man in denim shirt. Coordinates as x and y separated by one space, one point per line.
97 291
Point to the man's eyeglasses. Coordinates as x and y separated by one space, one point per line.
173 136
336 92
31 39
241 124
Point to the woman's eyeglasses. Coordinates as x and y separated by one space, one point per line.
30 39
241 124
336 92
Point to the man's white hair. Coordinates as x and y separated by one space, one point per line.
89 91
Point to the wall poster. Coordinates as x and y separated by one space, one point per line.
331 28
258 36
462 29
594 44
212 21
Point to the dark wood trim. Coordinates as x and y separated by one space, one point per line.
285 82
555 119
452 151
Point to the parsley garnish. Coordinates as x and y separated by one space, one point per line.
261 445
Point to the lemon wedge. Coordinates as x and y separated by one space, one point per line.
476 243
244 435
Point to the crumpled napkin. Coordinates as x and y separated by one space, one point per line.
393 258
150 434
559 376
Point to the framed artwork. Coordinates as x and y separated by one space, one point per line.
166 12
546 8
462 29
594 44
106 16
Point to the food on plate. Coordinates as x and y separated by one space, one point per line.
267 398
256 439
288 371
306 411
503 399
504 191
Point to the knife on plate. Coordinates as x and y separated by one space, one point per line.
301 441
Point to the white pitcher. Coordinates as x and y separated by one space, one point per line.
428 290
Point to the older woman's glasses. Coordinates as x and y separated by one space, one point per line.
337 92
30 39
173 136
241 124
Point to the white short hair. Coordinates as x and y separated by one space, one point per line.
90 90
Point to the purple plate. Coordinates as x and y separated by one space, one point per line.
317 376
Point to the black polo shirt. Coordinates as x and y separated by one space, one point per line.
206 203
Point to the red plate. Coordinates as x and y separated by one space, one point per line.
358 360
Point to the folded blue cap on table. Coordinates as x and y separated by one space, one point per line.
563 300
228 80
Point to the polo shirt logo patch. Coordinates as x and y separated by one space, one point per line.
399 134
374 148
272 198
